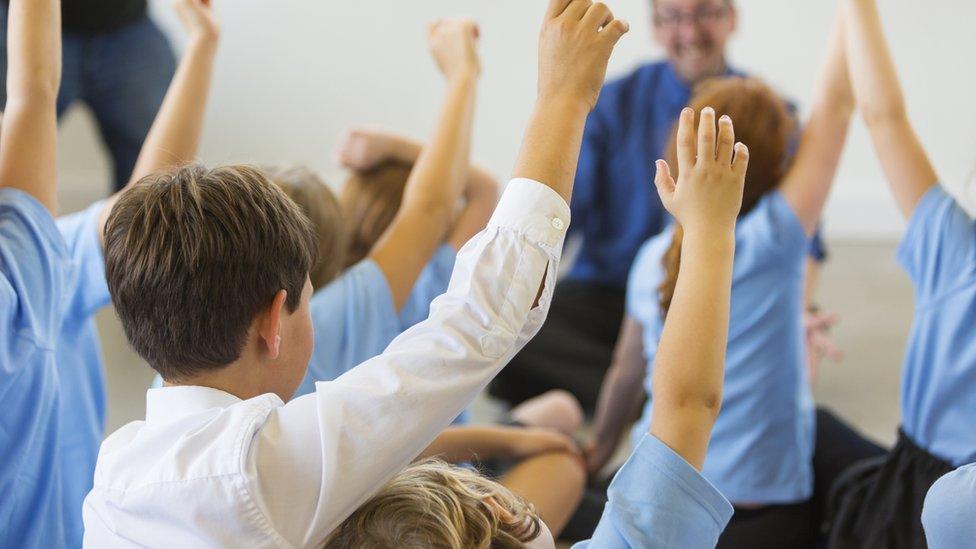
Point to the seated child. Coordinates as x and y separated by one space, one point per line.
208 270
883 506
172 140
658 499
34 268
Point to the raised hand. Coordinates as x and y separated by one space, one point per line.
362 149
198 18
453 43
708 193
577 39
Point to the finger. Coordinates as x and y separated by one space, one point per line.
706 134
741 161
556 8
662 177
686 141
615 31
578 9
597 16
726 141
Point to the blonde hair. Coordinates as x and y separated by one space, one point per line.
322 208
370 200
435 505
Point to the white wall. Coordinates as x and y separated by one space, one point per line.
292 73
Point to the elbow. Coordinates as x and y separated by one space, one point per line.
697 401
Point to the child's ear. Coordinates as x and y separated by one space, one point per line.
269 329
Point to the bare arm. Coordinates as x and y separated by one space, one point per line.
880 101
174 137
480 199
573 57
28 142
620 396
438 178
474 442
365 149
690 361
807 184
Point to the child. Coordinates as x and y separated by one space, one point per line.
949 514
33 268
761 456
173 140
545 468
881 507
208 270
658 498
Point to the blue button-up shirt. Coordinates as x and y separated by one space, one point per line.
615 205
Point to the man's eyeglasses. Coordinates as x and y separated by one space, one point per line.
704 15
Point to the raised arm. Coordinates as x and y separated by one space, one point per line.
567 90
174 137
807 184
620 396
690 361
28 140
364 149
882 105
438 177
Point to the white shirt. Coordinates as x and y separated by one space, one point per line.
208 469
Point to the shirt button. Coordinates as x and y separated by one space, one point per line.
558 224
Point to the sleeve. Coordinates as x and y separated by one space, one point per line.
431 283
643 296
947 515
33 265
88 290
658 500
589 170
353 319
939 247
773 230
343 442
818 249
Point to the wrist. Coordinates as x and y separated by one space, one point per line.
711 239
467 76
205 40
566 104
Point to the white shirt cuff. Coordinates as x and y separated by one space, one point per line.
533 209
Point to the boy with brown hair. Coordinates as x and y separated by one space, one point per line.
221 458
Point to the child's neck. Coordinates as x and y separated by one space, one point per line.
242 378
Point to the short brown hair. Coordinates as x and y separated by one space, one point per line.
319 203
435 505
763 122
193 255
370 201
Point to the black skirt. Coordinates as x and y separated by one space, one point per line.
878 503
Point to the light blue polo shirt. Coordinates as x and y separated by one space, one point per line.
33 271
354 317
657 501
938 393
762 444
79 360
949 514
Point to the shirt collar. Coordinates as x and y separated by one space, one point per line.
166 404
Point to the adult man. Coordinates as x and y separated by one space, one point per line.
118 62
615 208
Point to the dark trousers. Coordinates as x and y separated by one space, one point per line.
878 503
122 75
573 349
789 526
